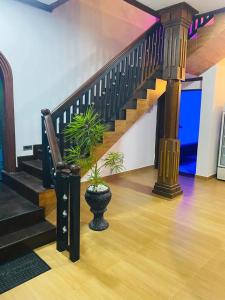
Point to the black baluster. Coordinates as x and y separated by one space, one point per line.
139 64
147 71
152 53
122 86
135 81
127 67
112 100
92 97
107 96
103 99
97 99
86 100
117 89
143 60
61 135
131 76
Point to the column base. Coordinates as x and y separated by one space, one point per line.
167 190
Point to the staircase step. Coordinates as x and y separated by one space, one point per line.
110 125
149 84
37 151
132 104
25 184
33 236
33 167
16 212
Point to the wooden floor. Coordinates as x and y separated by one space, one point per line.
154 248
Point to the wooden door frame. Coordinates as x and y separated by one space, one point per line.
9 145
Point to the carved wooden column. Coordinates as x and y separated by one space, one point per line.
176 19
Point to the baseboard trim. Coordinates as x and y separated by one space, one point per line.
126 172
205 177
129 172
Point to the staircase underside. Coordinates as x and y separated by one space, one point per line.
208 48
139 107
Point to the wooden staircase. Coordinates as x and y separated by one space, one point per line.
22 214
28 180
121 92
133 110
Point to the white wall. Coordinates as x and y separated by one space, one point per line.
195 85
52 54
213 100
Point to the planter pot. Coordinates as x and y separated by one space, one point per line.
98 202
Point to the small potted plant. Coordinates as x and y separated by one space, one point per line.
85 132
98 194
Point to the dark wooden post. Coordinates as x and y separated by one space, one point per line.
47 178
74 213
176 20
63 194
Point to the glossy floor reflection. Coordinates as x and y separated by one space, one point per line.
154 248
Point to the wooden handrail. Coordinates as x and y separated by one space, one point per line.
52 140
100 72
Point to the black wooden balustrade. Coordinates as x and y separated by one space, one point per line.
114 85
66 180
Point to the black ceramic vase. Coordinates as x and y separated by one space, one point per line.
98 202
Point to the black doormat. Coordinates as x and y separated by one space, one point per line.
20 269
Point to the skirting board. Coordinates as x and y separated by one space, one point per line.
205 178
127 172
130 171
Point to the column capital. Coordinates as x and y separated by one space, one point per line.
178 14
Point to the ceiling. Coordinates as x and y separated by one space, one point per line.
48 5
47 1
201 5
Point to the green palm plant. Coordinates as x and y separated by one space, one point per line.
85 132
114 161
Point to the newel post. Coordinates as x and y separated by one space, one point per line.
46 157
62 213
176 20
74 213
68 209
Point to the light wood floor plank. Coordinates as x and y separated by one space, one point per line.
154 248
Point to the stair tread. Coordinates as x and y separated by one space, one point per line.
24 234
12 204
28 180
35 163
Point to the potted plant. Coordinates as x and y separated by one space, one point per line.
85 132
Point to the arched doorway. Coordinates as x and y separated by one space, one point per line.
8 123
